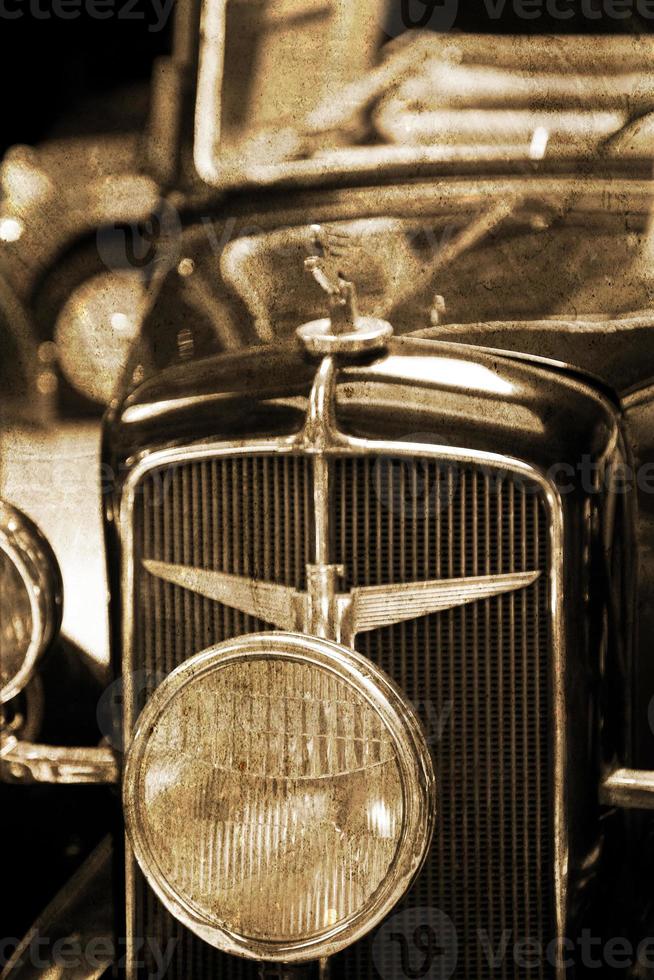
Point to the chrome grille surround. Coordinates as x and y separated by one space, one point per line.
321 441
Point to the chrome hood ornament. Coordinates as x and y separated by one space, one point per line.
323 610
345 331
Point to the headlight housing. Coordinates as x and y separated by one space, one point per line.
279 796
30 599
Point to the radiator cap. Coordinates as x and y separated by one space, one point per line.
370 334
344 332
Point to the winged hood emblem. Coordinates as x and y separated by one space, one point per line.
362 609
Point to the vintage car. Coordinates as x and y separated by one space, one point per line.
376 481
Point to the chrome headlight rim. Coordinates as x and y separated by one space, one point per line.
29 551
413 760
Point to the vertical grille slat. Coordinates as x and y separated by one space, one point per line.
479 676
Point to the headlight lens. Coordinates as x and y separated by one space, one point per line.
30 599
279 796
96 329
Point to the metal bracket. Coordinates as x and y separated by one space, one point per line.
27 762
629 788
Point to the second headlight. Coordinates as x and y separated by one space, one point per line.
30 599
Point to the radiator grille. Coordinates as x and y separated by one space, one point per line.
480 675
243 515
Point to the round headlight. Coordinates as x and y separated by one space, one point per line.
279 796
30 599
96 329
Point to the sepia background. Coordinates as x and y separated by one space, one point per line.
77 100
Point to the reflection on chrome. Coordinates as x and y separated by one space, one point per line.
448 371
30 599
16 623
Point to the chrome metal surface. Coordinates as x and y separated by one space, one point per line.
30 553
325 612
368 334
319 445
332 247
277 604
412 757
344 332
27 762
629 788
